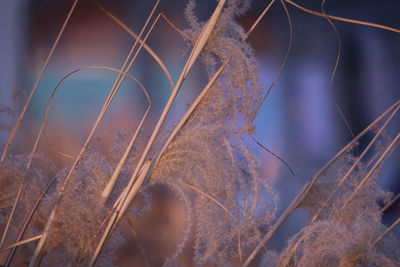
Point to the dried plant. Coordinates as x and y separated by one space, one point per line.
71 216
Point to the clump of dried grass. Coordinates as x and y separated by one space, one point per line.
75 212
345 230
211 138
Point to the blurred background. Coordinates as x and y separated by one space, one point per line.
298 120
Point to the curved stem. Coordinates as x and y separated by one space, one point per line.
28 101
303 193
360 22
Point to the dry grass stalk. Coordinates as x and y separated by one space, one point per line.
341 198
28 101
